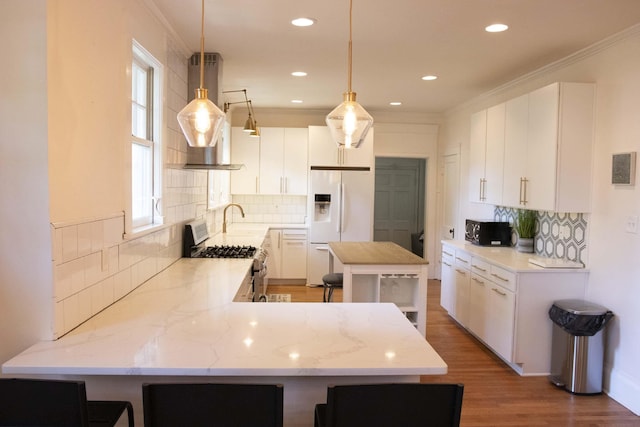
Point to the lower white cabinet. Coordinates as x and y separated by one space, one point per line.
503 300
287 254
447 289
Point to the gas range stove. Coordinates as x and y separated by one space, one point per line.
225 251
194 246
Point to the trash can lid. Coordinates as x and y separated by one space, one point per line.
579 306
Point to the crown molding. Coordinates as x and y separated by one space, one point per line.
580 55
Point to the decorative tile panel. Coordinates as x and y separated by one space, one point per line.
558 234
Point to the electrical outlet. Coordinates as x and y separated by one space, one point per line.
632 224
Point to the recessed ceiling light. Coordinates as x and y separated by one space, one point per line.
394 103
429 77
496 28
299 74
296 101
303 22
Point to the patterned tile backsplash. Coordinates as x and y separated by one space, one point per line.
558 234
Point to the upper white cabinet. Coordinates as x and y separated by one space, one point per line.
486 154
515 149
548 148
283 161
275 163
323 151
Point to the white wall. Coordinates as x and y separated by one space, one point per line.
64 160
614 65
25 240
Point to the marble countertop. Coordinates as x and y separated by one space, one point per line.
507 258
183 322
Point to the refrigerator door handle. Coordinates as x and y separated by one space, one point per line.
342 206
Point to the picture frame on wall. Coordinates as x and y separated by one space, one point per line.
623 168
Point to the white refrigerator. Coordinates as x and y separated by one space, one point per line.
340 209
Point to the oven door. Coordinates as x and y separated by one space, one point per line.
259 282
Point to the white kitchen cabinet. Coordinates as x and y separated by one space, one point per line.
245 150
447 280
275 163
508 301
554 170
515 150
283 161
323 151
287 258
486 155
462 287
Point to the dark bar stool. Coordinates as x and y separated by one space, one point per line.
330 281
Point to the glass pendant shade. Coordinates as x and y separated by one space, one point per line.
349 122
201 121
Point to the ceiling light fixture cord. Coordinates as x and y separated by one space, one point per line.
202 49
350 57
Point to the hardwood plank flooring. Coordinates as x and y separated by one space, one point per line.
494 394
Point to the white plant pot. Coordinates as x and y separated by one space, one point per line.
524 245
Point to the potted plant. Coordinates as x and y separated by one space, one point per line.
525 226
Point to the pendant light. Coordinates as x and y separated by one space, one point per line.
349 122
201 120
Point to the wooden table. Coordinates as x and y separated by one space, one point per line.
383 272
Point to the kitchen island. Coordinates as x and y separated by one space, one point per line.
182 326
383 272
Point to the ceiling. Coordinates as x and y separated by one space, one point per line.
395 43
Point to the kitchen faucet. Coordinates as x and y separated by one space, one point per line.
224 215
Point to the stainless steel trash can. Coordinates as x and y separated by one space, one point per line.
577 348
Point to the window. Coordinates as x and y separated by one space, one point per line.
146 163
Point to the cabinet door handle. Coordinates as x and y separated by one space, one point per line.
523 190
499 292
462 260
499 277
446 263
479 268
447 253
461 271
478 281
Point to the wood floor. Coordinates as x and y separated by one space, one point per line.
494 395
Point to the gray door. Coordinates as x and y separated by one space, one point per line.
399 199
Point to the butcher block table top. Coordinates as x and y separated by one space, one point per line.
374 253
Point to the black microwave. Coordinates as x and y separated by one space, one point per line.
487 233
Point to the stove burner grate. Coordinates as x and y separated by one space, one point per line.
227 251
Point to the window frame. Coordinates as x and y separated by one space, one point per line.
154 87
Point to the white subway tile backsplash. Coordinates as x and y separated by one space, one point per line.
71 312
122 284
69 243
93 265
84 305
97 236
62 281
84 239
113 230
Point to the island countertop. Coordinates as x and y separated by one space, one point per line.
374 253
183 322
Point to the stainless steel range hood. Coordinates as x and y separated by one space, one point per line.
209 158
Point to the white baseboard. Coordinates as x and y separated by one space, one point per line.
622 388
